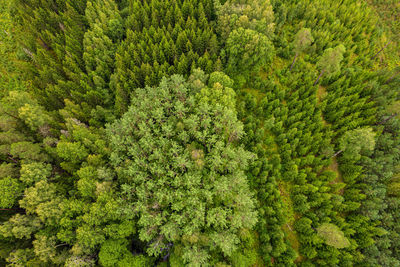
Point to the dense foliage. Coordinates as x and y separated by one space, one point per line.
199 133
181 171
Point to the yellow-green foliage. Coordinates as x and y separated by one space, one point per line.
332 235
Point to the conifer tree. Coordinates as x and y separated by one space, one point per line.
100 44
184 36
52 40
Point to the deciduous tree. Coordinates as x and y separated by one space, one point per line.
330 61
181 170
301 42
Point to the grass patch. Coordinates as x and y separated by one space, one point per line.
288 229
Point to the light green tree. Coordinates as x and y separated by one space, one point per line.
247 50
10 191
355 142
182 170
332 235
330 61
256 15
301 42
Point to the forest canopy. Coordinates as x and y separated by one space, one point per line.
199 133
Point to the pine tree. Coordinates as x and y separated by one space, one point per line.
100 45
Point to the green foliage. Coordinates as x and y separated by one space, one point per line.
75 261
10 190
220 77
302 40
201 170
115 253
20 257
257 51
199 195
330 60
357 141
20 226
34 172
251 14
73 152
218 92
247 254
332 235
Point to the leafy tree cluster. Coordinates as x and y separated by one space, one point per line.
246 29
74 208
181 171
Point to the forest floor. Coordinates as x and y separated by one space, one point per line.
389 14
334 166
288 228
284 187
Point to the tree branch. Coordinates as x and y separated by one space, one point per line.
322 72
381 50
337 153
294 60
392 77
388 118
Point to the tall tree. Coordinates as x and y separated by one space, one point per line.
357 141
330 61
182 171
100 44
247 50
301 42
256 15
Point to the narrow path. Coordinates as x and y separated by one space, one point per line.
339 179
288 228
334 166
